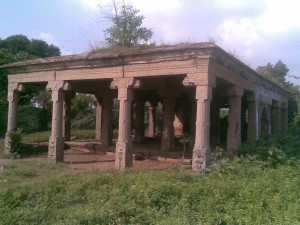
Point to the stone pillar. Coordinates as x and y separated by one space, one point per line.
56 142
139 121
167 139
234 118
67 117
124 156
12 98
284 118
252 132
204 83
276 117
99 108
106 129
201 150
152 118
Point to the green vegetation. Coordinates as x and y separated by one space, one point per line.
261 186
126 27
248 194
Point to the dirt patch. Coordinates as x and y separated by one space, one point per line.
85 161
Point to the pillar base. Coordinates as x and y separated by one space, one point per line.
201 158
124 156
56 149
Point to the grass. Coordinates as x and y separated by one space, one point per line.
44 136
249 194
258 187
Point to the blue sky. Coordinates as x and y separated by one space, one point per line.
259 31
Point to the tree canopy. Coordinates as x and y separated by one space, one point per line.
17 48
278 73
126 28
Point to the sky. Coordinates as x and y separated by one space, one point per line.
257 31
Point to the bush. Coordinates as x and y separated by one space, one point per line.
15 141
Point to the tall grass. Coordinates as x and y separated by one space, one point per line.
248 194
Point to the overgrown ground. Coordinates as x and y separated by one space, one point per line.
260 187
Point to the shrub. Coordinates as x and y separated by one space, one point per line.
15 141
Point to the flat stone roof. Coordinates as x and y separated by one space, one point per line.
118 56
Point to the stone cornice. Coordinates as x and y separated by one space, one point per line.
114 57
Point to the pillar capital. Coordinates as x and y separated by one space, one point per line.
199 79
58 86
125 83
235 91
12 90
203 93
16 87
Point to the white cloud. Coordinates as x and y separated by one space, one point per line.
280 17
51 39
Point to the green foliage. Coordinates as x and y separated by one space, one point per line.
272 151
17 48
250 195
83 112
15 141
277 73
44 136
126 28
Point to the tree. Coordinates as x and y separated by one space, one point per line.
126 29
277 73
17 48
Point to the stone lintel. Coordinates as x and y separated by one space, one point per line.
199 79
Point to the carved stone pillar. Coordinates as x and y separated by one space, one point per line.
234 118
56 142
252 132
124 156
201 151
167 139
67 116
139 121
152 118
12 98
99 109
276 118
